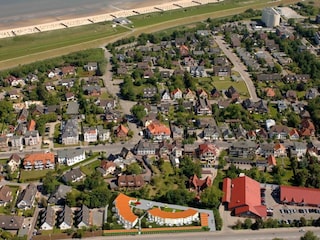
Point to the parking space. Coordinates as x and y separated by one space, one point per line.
287 214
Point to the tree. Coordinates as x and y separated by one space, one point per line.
309 236
178 196
134 168
247 223
188 167
138 111
50 183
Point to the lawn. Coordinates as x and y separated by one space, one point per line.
33 174
209 83
90 168
28 48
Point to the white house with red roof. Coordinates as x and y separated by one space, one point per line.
173 218
90 135
158 131
176 94
123 210
208 152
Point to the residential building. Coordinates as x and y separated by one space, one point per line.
5 195
47 218
74 175
11 222
198 184
176 94
107 167
211 133
243 149
26 199
90 135
294 134
242 196
14 162
58 197
173 218
73 108
165 96
232 93
307 128
146 148
122 131
280 150
70 157
189 95
122 206
130 181
271 17
158 132
65 218
203 107
300 196
16 141
103 134
82 217
31 138
69 132
91 66
299 149
39 161
279 132
4 143
222 71
208 152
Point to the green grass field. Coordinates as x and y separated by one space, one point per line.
33 175
35 47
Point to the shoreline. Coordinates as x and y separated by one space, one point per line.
128 9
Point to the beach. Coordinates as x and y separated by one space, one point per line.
37 24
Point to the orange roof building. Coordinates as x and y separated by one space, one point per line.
122 131
39 161
300 196
243 196
158 131
124 211
173 218
270 92
31 125
272 161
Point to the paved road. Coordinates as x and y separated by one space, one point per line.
239 67
263 234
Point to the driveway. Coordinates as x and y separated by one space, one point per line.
238 67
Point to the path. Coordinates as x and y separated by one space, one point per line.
238 67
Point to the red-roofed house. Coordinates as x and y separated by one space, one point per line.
270 92
184 50
31 125
158 131
122 131
208 152
122 205
176 94
272 161
173 218
300 196
199 184
243 196
307 128
294 134
279 150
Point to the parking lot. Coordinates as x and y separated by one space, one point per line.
287 213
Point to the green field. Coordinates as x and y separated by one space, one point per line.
33 174
30 48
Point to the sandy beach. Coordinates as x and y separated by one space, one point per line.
34 25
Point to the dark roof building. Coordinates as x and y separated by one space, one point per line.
11 222
243 196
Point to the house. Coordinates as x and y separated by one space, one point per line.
68 70
65 218
211 133
299 196
68 83
198 184
31 126
203 107
73 108
307 128
272 161
4 143
14 94
294 134
232 93
282 106
176 94
202 94
265 149
243 149
158 131
145 148
11 222
208 153
291 95
90 134
280 150
26 199
299 149
23 116
106 168
31 138
92 90
58 197
122 131
215 93
47 218
108 104
103 134
259 107
222 71
270 93
16 141
242 196
39 161
130 181
91 66
184 50
177 133
70 133
69 96
279 132
198 71
82 217
162 217
311 93
268 77
14 162
189 95
124 213
235 41
74 175
70 157
149 92
165 96
5 195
